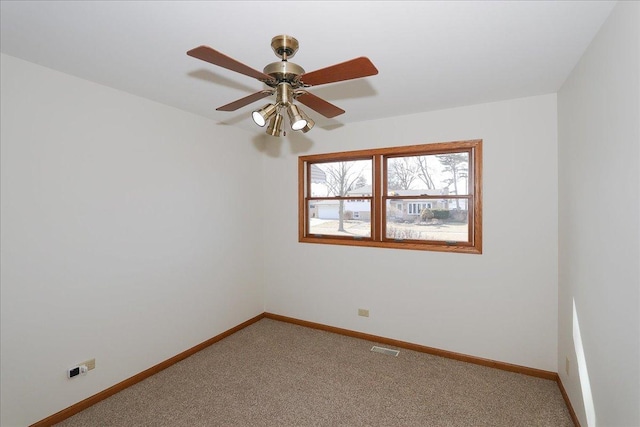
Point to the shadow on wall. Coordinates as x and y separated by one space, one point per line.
273 146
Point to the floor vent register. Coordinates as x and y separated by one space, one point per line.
386 351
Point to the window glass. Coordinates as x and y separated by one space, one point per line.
435 174
437 219
335 179
325 219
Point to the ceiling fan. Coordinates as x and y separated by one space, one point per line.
288 81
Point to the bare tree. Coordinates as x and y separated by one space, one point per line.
401 173
423 171
342 177
457 164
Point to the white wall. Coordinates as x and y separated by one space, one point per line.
500 305
599 163
124 236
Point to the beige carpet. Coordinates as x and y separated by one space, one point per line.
277 374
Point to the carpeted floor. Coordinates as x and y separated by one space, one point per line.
278 374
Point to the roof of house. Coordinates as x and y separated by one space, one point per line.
420 192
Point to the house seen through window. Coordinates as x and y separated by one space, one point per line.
424 197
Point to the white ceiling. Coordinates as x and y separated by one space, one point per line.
430 55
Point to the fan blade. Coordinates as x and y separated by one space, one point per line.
208 54
233 106
320 105
354 69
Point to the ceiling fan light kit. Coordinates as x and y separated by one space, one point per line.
275 125
261 116
310 123
288 82
296 120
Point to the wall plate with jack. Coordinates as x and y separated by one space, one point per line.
77 370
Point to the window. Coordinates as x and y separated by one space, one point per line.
417 208
422 197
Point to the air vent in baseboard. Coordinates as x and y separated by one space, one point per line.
383 350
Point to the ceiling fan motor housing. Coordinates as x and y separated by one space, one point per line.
284 71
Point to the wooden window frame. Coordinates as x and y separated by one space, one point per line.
380 195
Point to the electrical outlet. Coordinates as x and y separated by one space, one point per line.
363 312
567 363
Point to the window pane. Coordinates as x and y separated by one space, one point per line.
434 175
339 179
340 218
433 219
